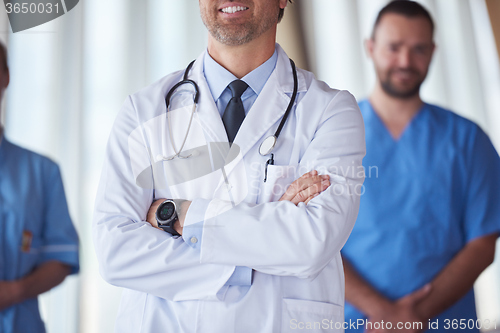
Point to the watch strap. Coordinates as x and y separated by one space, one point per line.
169 227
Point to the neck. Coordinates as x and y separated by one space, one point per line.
389 107
395 113
242 59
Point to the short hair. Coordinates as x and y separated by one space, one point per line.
410 9
282 12
3 56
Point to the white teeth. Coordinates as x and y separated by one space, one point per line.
234 9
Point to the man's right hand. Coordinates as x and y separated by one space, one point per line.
307 187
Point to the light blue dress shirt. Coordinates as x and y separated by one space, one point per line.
426 196
35 227
218 78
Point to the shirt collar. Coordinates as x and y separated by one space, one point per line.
218 78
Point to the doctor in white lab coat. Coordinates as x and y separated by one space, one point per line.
246 262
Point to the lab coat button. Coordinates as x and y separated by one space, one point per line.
194 240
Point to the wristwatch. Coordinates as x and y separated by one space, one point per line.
166 216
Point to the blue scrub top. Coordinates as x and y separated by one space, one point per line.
35 227
426 196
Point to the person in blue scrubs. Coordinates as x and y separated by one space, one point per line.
38 243
429 217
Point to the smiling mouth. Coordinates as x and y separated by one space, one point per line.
233 9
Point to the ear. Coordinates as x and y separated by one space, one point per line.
369 44
283 4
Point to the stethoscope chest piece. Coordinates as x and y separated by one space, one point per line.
267 146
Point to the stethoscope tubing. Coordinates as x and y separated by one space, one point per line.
185 80
292 100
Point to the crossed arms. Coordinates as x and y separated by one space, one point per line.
304 189
134 255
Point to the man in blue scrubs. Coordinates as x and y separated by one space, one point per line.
430 217
38 243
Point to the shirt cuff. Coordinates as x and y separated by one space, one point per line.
242 276
67 254
192 231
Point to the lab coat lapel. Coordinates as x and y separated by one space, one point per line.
270 105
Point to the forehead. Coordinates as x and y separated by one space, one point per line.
398 28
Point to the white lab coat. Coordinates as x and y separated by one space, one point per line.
298 278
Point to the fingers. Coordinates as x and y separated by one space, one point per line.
292 190
301 184
312 191
421 293
311 197
418 295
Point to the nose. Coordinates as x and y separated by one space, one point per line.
404 58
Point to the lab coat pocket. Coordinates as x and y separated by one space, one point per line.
279 177
311 316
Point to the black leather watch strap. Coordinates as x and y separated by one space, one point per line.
170 228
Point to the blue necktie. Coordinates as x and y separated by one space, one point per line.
234 114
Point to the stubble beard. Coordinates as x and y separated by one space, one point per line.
238 34
392 90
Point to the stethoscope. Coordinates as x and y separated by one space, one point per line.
266 147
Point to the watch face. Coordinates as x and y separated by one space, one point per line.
166 211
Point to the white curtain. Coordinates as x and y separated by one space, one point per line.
69 78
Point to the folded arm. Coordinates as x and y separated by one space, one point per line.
281 238
43 278
276 238
303 189
458 277
130 253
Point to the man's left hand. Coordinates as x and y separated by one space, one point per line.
403 311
